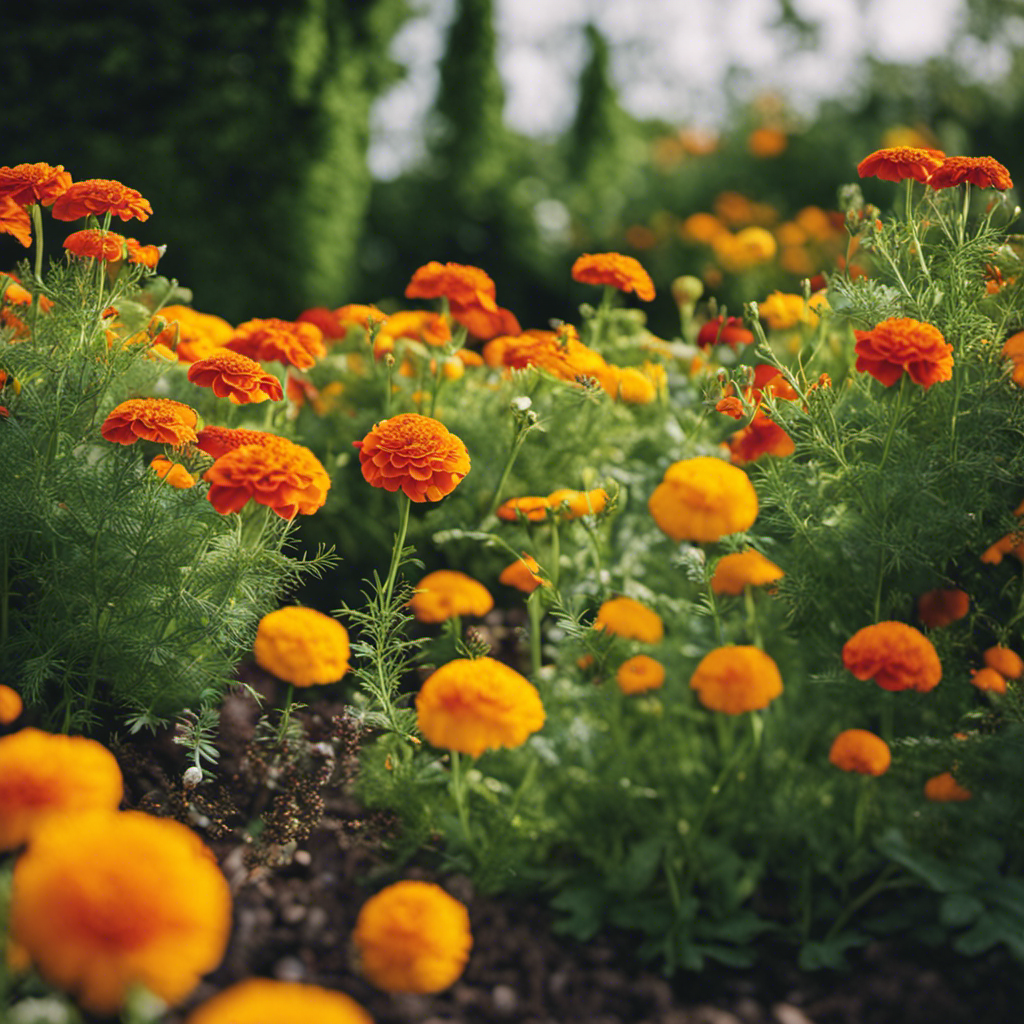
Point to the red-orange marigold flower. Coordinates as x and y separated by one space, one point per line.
236 377
284 476
173 472
34 183
895 655
988 679
734 680
218 441
99 196
415 453
983 171
524 574
461 284
297 344
485 324
943 788
14 220
762 436
614 270
937 608
10 704
144 255
900 162
857 750
900 344
1006 662
96 244
731 332
153 419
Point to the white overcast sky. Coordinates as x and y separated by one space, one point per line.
669 58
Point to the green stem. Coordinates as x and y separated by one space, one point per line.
37 228
517 443
556 554
286 715
892 423
458 791
883 882
389 365
536 613
752 627
404 504
962 227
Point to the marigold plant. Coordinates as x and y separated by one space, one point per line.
857 750
28 184
982 171
613 270
92 243
630 619
10 705
262 1001
902 343
533 507
461 284
577 503
98 196
302 646
523 574
235 377
640 674
734 680
282 341
151 419
743 569
1006 662
218 441
443 594
703 499
173 472
943 788
896 656
15 221
988 680
943 607
897 163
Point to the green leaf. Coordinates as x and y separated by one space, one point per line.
830 953
959 909
583 908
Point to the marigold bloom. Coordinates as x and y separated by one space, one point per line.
630 619
634 387
761 436
218 441
703 499
14 220
937 608
10 705
524 574
460 284
733 680
989 680
731 332
302 646
153 419
579 503
92 243
785 311
1006 662
475 705
613 270
27 184
99 196
42 774
639 674
900 344
412 937
15 292
943 788
173 472
747 248
415 324
144 255
559 353
235 377
262 1001
443 594
485 324
334 324
104 901
272 340
284 476
895 655
857 750
766 142
414 453
982 171
744 569
897 163
701 227
198 334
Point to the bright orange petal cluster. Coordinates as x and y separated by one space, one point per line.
105 901
897 163
14 220
262 1001
896 656
92 243
761 436
733 573
943 788
857 750
570 504
152 419
988 680
524 574
415 453
724 331
485 324
734 680
703 499
1006 662
560 353
27 184
196 334
943 607
173 472
235 377
144 255
639 674
614 270
99 196
532 507
475 705
900 344
412 937
443 594
982 171
10 705
218 441
297 344
460 284
630 619
302 646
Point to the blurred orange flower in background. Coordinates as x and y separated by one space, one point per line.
261 1001
733 573
640 674
532 507
767 142
284 341
570 504
523 574
99 196
460 284
761 436
236 377
92 243
173 472
613 270
724 331
989 680
857 750
703 499
896 656
302 646
734 680
630 619
10 705
943 788
218 441
39 183
144 255
152 419
937 608
198 334
900 344
445 593
14 220
1006 662
900 162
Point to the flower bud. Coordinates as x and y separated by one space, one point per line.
192 777
686 290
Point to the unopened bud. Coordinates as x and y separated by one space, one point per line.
686 290
521 403
192 777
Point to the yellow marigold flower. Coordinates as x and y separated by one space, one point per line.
261 1001
701 227
630 619
302 646
744 569
736 679
614 270
639 674
104 901
412 937
785 311
580 503
10 705
1006 662
816 223
173 472
857 750
443 594
634 387
475 705
198 335
943 607
43 774
943 788
894 655
703 499
523 574
989 680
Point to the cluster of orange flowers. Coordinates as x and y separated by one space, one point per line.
563 503
933 168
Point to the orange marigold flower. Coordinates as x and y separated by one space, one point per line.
524 574
944 788
639 674
10 705
900 344
412 937
937 608
460 284
630 619
15 292
633 386
1006 662
335 323
173 472
744 569
27 184
724 331
443 594
613 270
98 196
297 344
767 142
762 436
415 453
44 774
144 255
417 325
236 377
703 499
284 476
218 441
105 901
302 646
900 162
857 750
92 243
484 323
731 406
983 171
988 679
261 1001
895 655
475 705
198 335
736 679
14 220
153 419
577 503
